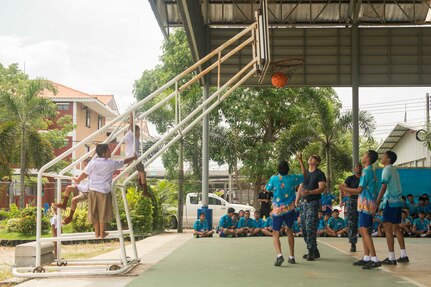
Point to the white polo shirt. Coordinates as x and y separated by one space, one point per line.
129 139
100 172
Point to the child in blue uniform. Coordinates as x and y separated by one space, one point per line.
367 192
421 226
201 227
259 224
326 201
296 228
245 225
392 206
336 225
283 187
226 226
267 230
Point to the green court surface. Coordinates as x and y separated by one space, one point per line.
249 262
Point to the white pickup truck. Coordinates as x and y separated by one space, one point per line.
218 205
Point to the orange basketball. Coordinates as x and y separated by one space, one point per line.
279 79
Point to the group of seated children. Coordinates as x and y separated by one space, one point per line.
330 225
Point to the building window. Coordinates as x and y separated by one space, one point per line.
87 117
87 148
99 122
63 106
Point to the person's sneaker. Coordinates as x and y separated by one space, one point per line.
196 236
403 260
305 256
371 265
291 261
360 263
387 261
353 247
279 261
316 253
310 256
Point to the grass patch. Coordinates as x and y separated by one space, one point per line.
5 274
5 235
87 250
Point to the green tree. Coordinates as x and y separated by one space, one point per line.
323 122
255 119
20 102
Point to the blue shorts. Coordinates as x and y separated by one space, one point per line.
327 211
288 218
365 220
392 214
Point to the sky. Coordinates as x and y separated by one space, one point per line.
103 46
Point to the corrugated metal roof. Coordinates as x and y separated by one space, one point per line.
312 12
394 137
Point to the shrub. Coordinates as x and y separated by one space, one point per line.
79 222
27 225
13 225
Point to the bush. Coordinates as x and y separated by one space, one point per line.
13 225
141 212
79 222
13 212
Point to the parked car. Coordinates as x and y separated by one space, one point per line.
218 205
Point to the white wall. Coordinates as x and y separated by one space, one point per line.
410 152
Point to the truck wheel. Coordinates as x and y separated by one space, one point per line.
173 222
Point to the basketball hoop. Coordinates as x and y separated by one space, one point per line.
286 67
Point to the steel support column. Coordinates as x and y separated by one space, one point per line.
205 150
355 95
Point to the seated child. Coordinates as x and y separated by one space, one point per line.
406 224
227 227
201 227
267 230
296 228
258 223
81 188
421 226
321 226
327 199
336 225
100 171
245 225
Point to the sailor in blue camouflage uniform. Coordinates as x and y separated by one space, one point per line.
352 207
309 195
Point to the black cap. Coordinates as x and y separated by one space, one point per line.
231 210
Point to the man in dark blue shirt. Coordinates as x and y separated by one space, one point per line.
352 207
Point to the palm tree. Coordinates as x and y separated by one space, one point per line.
7 143
21 103
326 124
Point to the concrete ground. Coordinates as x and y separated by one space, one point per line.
173 259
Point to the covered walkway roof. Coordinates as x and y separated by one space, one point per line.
394 37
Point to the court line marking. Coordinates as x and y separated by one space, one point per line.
383 268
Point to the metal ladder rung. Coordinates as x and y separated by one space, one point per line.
83 236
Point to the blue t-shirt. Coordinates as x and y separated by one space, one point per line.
326 200
367 198
245 222
296 227
200 225
259 223
393 194
421 225
322 224
336 224
283 188
268 222
226 221
345 199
